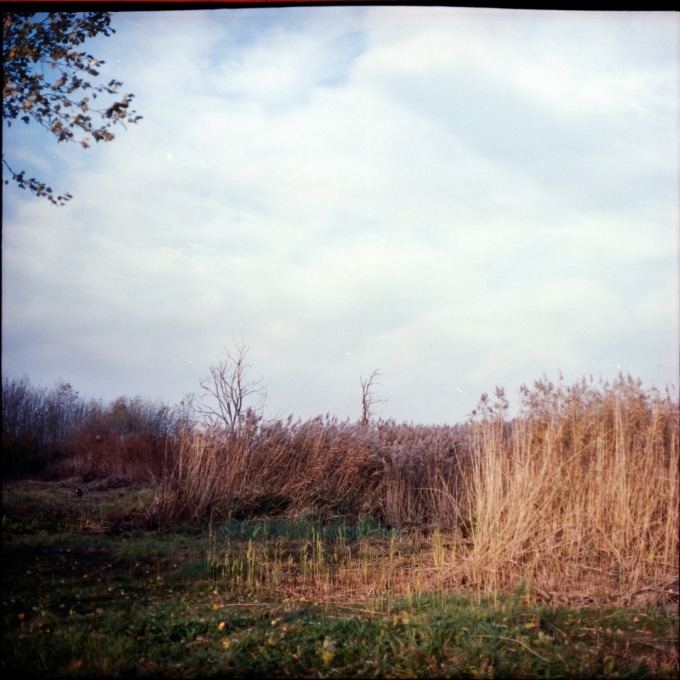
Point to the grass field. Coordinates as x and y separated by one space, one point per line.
94 586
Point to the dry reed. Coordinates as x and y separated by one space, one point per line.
580 492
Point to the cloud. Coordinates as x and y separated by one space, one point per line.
460 198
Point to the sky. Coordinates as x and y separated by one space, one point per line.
460 198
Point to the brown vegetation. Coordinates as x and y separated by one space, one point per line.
578 493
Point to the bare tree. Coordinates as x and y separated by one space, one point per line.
224 394
367 398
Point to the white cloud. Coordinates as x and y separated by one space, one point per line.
462 198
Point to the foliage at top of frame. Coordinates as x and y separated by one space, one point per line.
46 81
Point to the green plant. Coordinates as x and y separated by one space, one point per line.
145 603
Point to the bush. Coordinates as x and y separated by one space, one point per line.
56 432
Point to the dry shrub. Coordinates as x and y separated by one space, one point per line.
134 458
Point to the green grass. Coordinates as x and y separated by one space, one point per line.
91 589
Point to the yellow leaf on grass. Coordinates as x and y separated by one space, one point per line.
401 617
328 650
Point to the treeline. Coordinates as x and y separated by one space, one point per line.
56 431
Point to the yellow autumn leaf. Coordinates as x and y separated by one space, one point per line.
328 650
401 617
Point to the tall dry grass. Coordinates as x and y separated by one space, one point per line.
580 491
323 466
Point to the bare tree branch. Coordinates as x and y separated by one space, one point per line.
226 390
367 398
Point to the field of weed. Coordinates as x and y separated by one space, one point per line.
91 587
540 545
579 493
